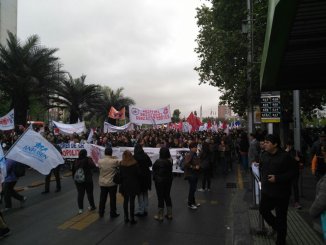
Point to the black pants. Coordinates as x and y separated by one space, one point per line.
56 172
126 200
112 191
207 173
192 180
163 193
279 221
295 186
81 188
9 192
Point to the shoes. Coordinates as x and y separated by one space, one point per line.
145 213
192 206
208 189
101 215
126 220
297 205
114 215
22 202
91 208
133 222
44 192
197 204
6 209
4 232
201 190
58 190
80 211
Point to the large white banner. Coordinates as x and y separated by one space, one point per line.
77 128
109 128
7 122
149 116
35 151
96 152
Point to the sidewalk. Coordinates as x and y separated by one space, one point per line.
302 229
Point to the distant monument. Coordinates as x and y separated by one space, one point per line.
8 19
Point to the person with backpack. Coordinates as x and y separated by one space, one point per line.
10 182
82 174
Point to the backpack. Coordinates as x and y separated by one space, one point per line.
79 176
19 169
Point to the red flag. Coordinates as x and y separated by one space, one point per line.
113 113
209 124
194 122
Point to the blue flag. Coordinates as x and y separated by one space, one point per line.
3 169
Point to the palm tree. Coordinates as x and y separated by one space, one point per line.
115 99
77 97
26 70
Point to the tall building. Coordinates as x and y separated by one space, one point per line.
224 112
8 19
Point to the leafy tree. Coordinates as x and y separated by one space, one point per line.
113 98
223 52
77 97
176 116
26 70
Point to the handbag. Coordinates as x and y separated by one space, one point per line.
117 176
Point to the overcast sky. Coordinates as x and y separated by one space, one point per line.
144 46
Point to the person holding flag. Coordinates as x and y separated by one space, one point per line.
9 185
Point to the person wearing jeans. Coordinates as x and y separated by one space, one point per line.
191 174
9 185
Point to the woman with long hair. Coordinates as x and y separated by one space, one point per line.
84 184
162 175
130 187
145 163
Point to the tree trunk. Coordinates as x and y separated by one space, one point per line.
20 106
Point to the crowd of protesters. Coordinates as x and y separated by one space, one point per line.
210 154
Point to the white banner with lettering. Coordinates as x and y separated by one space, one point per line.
109 128
96 152
149 116
77 128
7 122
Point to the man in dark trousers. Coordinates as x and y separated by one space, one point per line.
55 171
277 171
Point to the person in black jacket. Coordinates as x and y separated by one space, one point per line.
87 164
162 175
145 163
130 186
277 172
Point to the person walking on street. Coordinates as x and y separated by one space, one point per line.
316 151
9 185
84 184
163 176
206 167
297 157
130 185
191 172
318 207
108 168
55 171
277 171
145 163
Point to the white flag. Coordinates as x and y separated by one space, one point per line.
90 136
3 169
35 151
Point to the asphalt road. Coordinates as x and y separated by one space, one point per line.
52 218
